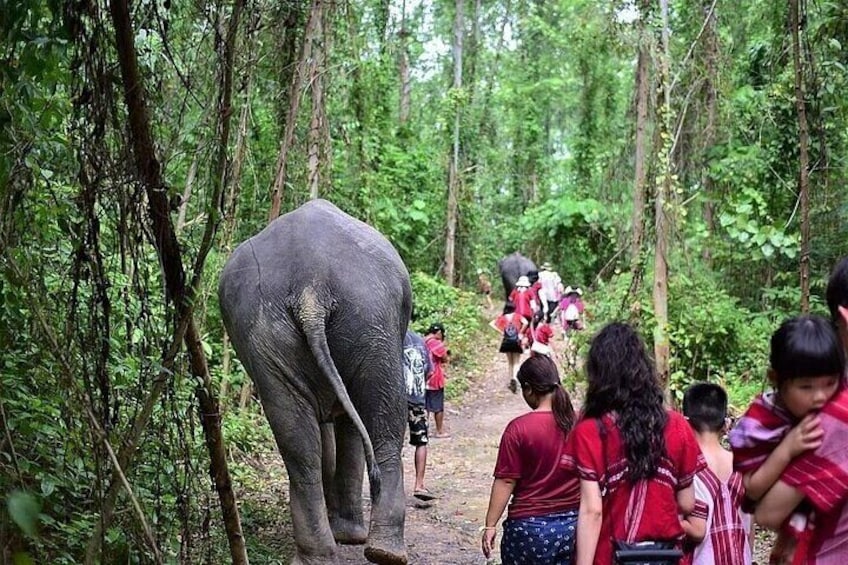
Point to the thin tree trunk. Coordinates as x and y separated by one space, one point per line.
192 173
231 202
316 87
660 291
291 118
711 101
641 157
454 181
167 247
403 36
803 153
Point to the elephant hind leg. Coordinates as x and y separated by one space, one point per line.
343 464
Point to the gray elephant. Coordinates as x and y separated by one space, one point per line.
316 306
511 267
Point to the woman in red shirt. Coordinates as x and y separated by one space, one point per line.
542 518
635 459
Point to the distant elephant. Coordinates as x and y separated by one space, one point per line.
511 267
316 306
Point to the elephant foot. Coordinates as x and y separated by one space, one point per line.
300 559
348 532
386 555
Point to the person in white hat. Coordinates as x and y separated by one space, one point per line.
549 290
571 309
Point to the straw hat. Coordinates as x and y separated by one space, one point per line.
523 281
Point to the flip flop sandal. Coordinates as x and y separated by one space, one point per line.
424 494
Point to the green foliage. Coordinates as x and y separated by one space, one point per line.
712 337
459 311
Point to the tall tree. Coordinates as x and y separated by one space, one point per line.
454 180
403 68
643 93
795 23
149 174
710 93
661 201
294 105
317 126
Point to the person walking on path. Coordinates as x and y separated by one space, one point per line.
434 393
543 497
484 285
416 366
550 289
718 488
636 460
511 326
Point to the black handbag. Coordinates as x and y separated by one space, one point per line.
646 553
639 552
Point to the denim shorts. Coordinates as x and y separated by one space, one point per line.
435 400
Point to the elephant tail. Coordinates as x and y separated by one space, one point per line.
312 318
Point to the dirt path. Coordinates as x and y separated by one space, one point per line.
459 470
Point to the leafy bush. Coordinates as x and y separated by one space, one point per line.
712 337
459 311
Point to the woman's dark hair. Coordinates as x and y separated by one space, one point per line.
540 374
705 406
837 288
622 379
806 346
508 308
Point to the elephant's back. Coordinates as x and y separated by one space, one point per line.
319 246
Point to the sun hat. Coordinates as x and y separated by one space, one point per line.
523 281
546 266
568 290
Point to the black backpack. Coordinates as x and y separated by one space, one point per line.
510 334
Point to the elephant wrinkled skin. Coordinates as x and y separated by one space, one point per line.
511 267
316 306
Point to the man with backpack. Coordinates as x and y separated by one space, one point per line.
511 326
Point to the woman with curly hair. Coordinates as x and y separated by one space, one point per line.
635 459
542 496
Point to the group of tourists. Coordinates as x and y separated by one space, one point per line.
629 481
532 307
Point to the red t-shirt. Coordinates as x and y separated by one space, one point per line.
652 512
438 354
521 299
530 451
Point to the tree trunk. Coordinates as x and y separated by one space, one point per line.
192 173
231 201
711 102
167 247
660 293
403 36
641 152
454 181
291 118
803 153
316 87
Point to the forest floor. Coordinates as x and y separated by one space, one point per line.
459 472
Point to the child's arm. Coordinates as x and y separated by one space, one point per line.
777 504
695 524
806 435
